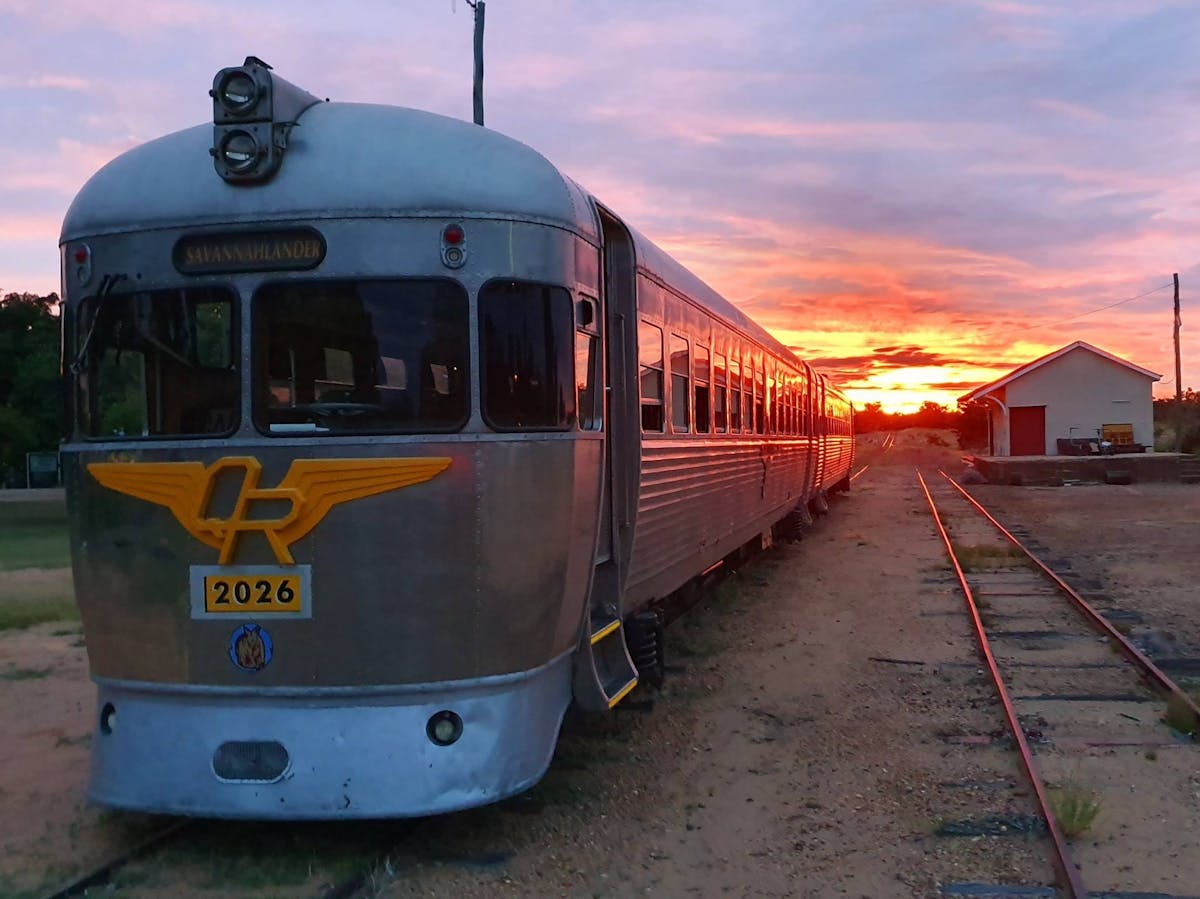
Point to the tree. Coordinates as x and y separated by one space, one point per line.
1167 416
30 386
972 426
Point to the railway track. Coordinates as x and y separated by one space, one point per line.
888 442
103 872
1085 710
353 878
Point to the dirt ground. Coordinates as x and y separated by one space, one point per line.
824 721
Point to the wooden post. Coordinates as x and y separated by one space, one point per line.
1178 377
478 92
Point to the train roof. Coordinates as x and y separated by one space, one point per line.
343 160
654 261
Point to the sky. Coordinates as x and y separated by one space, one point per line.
917 196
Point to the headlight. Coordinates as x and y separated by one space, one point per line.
254 112
239 151
238 92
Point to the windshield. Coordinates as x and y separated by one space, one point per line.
383 356
157 364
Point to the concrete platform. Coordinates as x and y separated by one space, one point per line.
1054 471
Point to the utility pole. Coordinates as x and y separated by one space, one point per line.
1178 377
478 6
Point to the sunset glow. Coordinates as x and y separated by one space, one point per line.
916 197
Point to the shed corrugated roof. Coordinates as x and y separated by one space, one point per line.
1025 369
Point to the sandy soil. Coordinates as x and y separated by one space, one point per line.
824 717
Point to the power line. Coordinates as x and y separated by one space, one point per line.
1100 309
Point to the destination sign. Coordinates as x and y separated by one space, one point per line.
249 251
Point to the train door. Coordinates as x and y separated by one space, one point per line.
604 671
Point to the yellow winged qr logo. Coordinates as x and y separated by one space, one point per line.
311 488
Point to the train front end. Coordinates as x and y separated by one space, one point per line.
334 465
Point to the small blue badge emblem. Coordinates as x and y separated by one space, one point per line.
250 648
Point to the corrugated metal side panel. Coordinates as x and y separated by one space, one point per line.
821 462
693 495
839 453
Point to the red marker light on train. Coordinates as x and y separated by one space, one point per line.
82 259
454 246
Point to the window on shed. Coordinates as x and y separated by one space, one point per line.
735 397
700 377
525 352
679 384
650 364
720 394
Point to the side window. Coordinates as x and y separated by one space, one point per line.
773 402
588 368
720 394
735 399
700 380
760 423
650 375
679 384
785 400
526 356
748 397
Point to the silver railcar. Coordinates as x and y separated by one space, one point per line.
384 436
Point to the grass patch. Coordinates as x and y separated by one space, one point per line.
14 674
19 612
1074 808
988 557
33 535
1180 716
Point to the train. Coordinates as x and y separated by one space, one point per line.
386 444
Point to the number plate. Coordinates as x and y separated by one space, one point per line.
251 591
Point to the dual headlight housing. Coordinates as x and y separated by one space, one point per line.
254 112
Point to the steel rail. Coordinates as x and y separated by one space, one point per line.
1126 647
105 871
1062 859
859 473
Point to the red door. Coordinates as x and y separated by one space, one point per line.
1027 427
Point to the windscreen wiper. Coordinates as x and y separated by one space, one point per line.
107 283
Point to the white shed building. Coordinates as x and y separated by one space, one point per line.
1067 402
